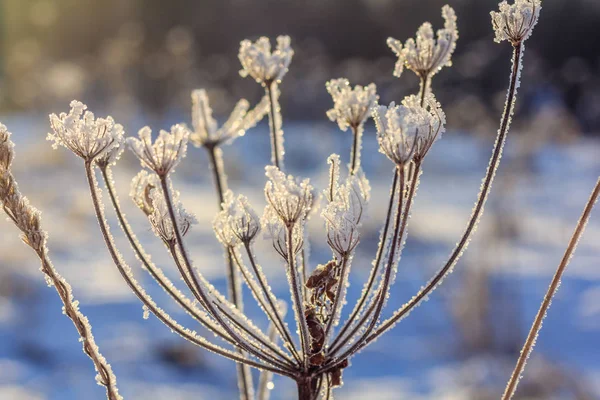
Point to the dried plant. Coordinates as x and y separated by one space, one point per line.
325 346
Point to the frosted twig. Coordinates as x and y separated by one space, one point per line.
156 272
27 220
479 205
139 291
511 387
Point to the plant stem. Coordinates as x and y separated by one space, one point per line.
298 299
274 124
306 388
537 322
356 145
234 289
365 293
479 206
147 301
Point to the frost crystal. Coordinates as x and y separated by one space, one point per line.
83 134
206 130
426 56
141 187
160 219
290 198
165 153
400 128
263 65
237 222
515 22
351 107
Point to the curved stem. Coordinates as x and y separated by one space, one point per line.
277 318
373 274
275 125
356 146
297 297
479 206
414 172
511 387
244 344
154 271
145 299
234 289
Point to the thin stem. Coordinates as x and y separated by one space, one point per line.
154 271
27 220
337 303
188 265
274 124
356 146
552 289
479 206
380 298
234 290
263 391
414 171
424 87
298 299
380 250
146 300
277 317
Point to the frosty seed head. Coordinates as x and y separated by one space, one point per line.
351 107
265 66
160 219
515 22
275 231
221 225
83 134
206 131
236 222
6 148
290 198
435 123
399 129
165 153
426 54
142 186
345 209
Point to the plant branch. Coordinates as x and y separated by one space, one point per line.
511 387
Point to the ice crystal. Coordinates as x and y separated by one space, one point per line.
426 55
83 134
290 198
206 130
351 107
262 64
165 153
515 22
274 230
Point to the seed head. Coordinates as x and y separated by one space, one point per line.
206 130
83 134
515 22
426 55
351 107
263 65
289 197
165 153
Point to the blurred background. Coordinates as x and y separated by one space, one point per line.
138 61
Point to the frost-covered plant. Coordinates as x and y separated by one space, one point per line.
326 343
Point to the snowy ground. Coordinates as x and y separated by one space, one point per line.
538 196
